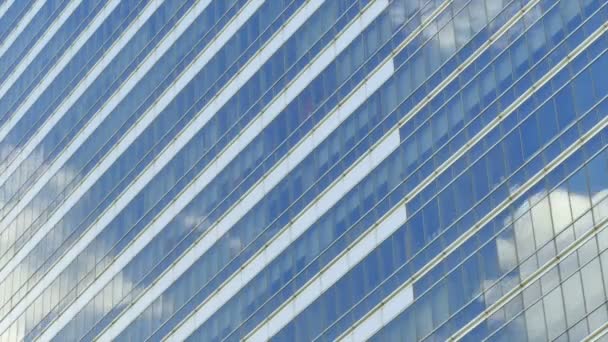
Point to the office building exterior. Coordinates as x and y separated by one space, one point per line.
303 170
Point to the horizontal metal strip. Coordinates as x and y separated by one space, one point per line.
110 158
161 160
281 101
79 89
504 323
425 269
536 275
40 44
330 274
279 315
313 211
379 316
597 334
5 6
528 186
278 318
366 164
31 244
10 39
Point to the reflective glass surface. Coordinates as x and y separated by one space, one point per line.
299 170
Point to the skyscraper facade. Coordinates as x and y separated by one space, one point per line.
303 170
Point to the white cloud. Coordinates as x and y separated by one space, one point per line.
564 208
